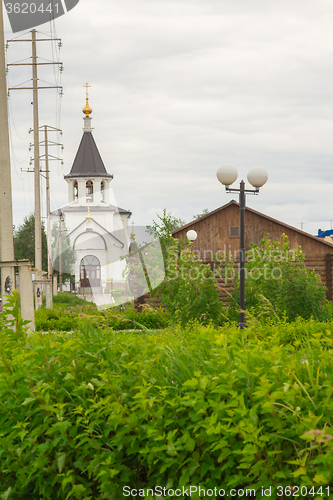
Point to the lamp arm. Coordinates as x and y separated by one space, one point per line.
248 191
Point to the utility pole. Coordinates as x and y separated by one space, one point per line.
38 220
48 203
61 221
48 206
47 157
6 210
35 88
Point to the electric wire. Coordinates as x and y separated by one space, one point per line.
21 34
11 117
13 158
17 86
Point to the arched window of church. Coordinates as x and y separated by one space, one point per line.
102 191
89 191
75 191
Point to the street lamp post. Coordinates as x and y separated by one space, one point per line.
257 177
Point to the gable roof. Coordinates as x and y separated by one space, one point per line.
88 161
233 202
93 208
98 225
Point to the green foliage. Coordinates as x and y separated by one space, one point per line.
189 289
68 299
24 240
204 212
278 282
130 319
83 415
56 319
66 317
163 228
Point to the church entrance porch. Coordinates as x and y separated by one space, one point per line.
90 272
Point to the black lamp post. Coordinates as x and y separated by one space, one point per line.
257 177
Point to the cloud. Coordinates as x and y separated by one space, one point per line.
180 87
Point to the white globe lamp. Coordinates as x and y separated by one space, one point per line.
257 176
191 235
227 174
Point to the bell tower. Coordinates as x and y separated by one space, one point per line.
88 181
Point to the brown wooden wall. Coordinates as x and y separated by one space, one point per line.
214 233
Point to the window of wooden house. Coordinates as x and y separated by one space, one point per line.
75 191
234 232
89 191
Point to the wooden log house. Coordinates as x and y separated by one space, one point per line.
219 232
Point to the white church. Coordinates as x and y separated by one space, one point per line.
96 228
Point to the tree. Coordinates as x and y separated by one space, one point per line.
163 230
204 212
189 288
24 241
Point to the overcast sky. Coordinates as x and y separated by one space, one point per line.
179 87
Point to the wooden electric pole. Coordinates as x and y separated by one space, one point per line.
35 88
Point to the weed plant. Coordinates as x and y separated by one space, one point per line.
66 317
83 415
277 274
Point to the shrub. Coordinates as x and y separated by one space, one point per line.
66 298
67 318
55 319
129 318
278 276
84 415
189 289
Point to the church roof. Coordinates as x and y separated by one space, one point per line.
88 161
92 208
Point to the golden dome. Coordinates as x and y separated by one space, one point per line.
87 109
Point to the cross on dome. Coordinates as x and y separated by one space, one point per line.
86 85
87 109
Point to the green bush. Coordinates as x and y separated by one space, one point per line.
67 318
83 415
128 318
67 299
189 288
276 276
55 319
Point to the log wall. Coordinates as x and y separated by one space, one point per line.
322 265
